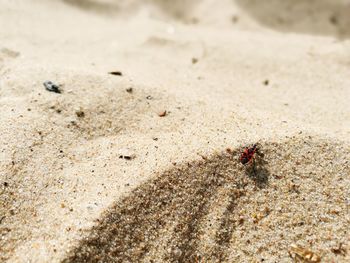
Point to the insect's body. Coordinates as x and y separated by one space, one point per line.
248 154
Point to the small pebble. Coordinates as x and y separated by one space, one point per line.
162 113
127 157
129 90
51 87
126 154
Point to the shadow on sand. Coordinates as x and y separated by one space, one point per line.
313 17
166 215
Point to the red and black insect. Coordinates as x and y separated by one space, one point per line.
247 156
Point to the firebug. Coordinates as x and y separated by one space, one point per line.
247 156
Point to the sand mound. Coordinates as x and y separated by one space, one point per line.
215 211
51 129
133 166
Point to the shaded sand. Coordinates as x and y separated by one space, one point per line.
228 76
166 219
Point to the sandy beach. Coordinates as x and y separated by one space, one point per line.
132 152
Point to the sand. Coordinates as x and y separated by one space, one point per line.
143 166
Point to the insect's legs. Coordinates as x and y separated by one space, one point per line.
254 167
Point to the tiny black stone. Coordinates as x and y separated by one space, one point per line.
126 157
49 86
116 73
6 184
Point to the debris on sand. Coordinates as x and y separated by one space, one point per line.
299 253
116 73
50 86
129 90
162 113
126 154
333 20
235 19
80 113
127 157
339 250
